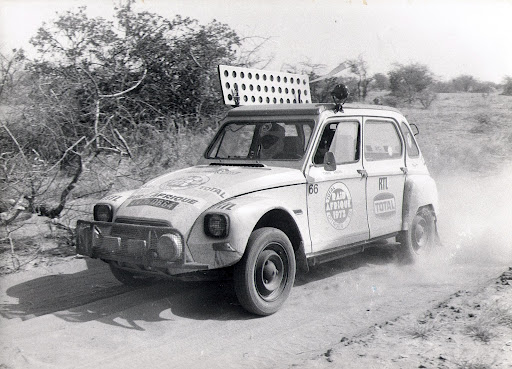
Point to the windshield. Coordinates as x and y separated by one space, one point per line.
265 141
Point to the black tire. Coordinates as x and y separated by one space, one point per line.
421 237
130 279
263 278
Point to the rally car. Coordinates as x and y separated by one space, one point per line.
284 184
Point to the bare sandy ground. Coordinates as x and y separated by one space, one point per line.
451 310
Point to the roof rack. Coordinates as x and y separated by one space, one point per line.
247 86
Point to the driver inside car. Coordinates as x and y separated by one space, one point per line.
272 141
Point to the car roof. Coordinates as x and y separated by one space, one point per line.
306 109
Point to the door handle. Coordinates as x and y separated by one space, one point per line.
363 173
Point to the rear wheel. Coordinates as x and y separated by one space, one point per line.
420 238
265 274
129 278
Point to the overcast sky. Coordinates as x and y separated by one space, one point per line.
452 37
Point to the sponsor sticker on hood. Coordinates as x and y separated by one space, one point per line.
184 183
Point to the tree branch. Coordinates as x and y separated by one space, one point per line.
127 90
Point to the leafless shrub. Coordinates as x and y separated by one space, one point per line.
426 98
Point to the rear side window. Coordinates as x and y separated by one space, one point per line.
381 141
412 149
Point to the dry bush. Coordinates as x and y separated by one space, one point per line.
423 329
390 100
484 122
426 98
482 329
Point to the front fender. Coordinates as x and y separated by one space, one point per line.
115 200
244 213
419 191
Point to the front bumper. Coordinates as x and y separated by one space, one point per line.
133 246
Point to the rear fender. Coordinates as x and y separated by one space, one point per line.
419 191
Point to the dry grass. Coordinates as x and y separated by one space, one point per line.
477 364
484 328
464 132
424 328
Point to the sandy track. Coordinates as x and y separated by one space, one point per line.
77 316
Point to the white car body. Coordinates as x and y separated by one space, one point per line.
326 211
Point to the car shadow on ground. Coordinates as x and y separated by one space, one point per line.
94 294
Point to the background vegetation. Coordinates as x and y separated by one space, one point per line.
106 105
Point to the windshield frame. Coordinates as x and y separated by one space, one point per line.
285 162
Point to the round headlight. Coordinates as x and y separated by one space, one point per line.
169 247
103 213
216 225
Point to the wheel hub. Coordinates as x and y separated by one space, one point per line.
269 273
421 235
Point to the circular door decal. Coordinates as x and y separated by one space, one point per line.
184 182
338 206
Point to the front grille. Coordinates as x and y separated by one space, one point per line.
132 238
145 222
140 230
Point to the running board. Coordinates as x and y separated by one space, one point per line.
347 250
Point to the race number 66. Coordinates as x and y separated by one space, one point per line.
313 189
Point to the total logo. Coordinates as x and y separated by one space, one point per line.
338 206
384 205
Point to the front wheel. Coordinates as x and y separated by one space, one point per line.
264 276
420 238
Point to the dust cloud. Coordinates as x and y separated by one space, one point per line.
475 228
475 220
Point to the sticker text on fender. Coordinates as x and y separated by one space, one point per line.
113 198
338 206
225 206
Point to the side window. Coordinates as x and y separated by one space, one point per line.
412 149
381 141
342 139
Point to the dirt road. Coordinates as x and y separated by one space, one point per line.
73 317
76 315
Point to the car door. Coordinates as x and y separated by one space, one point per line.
336 198
384 163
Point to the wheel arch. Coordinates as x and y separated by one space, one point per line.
282 220
420 192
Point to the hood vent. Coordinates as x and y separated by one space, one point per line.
250 165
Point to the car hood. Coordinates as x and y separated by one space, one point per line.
180 197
